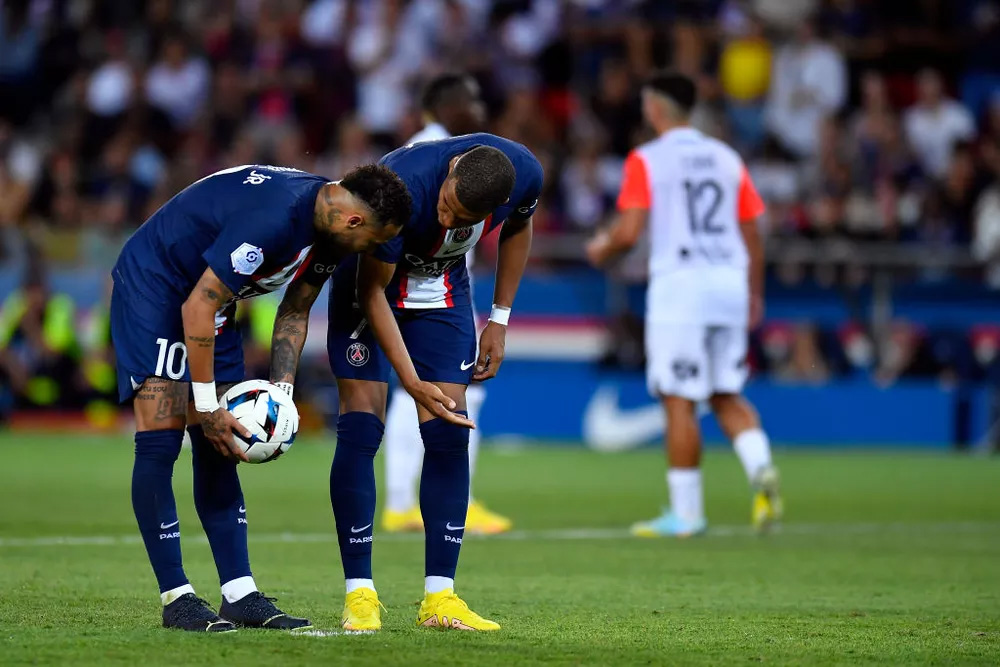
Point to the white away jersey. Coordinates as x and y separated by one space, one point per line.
431 132
697 192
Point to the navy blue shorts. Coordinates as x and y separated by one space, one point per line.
149 341
441 341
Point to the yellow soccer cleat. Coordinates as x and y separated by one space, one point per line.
447 611
767 507
362 611
407 521
481 521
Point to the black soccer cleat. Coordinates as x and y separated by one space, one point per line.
189 612
256 610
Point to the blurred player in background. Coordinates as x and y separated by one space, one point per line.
451 106
233 235
705 292
415 293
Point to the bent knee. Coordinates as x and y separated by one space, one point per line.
443 436
363 396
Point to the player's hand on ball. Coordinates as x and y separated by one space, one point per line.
491 351
218 427
436 401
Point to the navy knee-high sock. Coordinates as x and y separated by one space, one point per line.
218 498
352 490
153 503
444 494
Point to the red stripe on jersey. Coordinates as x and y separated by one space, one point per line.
440 242
447 291
402 289
303 266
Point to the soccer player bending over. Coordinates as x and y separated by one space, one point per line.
705 291
235 234
451 106
412 296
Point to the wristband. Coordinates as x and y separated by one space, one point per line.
500 315
286 387
205 398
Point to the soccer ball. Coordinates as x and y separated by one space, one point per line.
268 413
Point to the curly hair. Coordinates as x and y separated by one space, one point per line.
382 190
485 179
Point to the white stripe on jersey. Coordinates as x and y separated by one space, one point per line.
428 292
426 284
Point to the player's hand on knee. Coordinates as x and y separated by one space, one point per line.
437 402
491 351
218 427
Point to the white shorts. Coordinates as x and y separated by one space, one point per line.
694 361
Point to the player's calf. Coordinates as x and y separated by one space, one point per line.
444 498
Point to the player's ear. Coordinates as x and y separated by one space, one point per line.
354 221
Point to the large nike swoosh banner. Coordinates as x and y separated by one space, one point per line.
610 410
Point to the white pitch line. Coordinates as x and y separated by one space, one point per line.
802 529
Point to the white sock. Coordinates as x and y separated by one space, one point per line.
754 450
355 584
239 588
169 596
404 452
685 493
438 584
474 397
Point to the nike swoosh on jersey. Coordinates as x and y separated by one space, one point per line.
467 366
358 530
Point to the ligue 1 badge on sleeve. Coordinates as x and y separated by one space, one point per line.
357 354
247 259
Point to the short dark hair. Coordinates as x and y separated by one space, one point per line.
382 190
485 179
677 87
441 88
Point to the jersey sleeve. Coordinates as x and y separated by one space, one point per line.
391 251
750 206
534 177
242 247
635 192
318 268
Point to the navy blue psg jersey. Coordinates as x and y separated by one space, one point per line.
253 225
431 270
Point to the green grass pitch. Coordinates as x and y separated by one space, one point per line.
885 558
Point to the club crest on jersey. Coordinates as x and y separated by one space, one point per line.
357 354
246 259
462 234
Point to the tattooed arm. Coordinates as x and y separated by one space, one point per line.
198 314
290 327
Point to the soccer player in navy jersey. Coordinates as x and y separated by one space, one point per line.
235 234
407 305
452 105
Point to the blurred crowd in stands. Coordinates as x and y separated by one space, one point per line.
869 120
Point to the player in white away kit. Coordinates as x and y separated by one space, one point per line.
705 291
451 105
